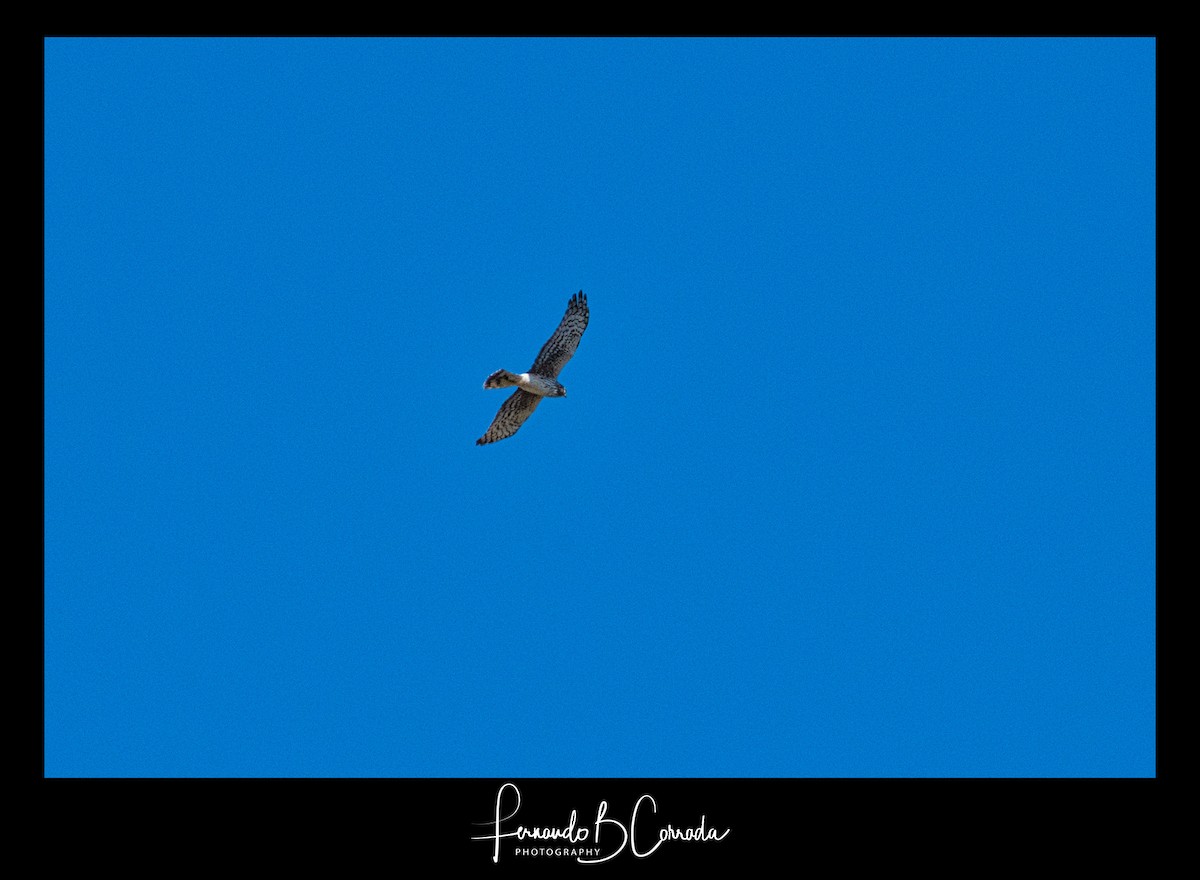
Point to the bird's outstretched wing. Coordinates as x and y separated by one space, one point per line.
559 347
513 413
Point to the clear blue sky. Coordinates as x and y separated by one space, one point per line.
856 474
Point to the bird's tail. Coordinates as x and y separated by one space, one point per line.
501 379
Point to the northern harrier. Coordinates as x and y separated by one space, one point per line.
542 378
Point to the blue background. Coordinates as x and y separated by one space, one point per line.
856 475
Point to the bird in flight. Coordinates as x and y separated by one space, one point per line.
542 378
